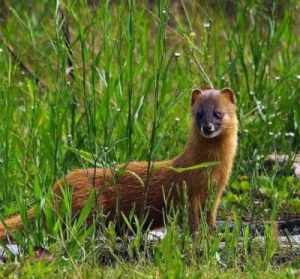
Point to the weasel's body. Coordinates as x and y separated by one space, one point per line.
213 138
123 191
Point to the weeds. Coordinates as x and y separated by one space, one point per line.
105 85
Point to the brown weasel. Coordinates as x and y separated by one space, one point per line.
213 137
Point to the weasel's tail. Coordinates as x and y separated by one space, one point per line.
13 223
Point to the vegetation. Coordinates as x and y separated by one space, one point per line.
119 90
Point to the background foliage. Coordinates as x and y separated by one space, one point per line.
120 91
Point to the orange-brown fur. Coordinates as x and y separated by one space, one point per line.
128 187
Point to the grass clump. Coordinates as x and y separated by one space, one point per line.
118 89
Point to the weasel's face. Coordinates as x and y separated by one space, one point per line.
213 111
209 119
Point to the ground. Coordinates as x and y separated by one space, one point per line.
84 85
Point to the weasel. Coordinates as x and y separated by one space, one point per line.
213 138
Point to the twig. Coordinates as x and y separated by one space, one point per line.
65 29
3 11
67 40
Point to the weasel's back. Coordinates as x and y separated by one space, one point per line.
122 188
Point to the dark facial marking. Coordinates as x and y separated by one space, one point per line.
209 117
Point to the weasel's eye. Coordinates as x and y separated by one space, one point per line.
218 114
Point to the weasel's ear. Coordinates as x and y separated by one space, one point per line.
195 94
229 94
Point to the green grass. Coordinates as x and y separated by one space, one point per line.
134 68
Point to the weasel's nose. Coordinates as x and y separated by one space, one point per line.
209 128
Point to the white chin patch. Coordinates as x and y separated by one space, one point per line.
212 135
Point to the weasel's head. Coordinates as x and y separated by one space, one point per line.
213 111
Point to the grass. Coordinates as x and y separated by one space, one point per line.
121 91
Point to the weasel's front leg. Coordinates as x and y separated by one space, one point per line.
212 213
194 213
220 183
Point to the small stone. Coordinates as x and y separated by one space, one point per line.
297 169
69 70
14 249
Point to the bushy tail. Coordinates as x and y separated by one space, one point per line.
13 223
